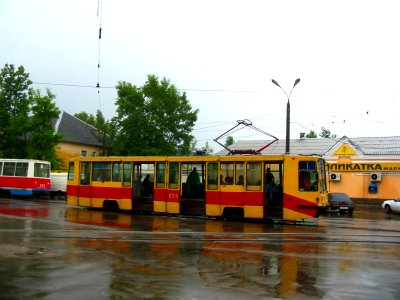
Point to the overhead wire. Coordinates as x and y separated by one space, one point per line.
114 87
205 127
99 15
306 125
75 85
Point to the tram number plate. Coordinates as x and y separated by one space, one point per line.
173 196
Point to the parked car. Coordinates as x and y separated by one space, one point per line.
340 202
391 205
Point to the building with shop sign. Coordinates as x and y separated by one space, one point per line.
365 168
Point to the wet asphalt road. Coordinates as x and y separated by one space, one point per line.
51 251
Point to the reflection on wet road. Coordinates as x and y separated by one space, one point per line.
51 251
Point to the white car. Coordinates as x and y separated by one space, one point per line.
391 205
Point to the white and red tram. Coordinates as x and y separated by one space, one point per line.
24 177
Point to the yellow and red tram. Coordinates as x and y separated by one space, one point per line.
212 186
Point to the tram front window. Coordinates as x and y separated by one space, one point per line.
308 176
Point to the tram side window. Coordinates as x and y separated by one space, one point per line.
322 178
1 168
160 175
85 173
173 175
9 169
308 176
101 171
212 176
71 168
116 172
254 174
239 170
22 169
127 170
41 170
227 173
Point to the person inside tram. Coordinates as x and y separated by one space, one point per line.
228 180
147 186
193 182
269 184
278 194
304 183
240 180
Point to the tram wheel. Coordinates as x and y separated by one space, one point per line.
110 206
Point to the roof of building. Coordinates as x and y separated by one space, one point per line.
389 145
362 146
76 131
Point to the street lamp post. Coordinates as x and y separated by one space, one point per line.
287 112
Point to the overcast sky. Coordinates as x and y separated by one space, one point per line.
223 54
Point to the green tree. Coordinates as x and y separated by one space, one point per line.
15 93
229 141
43 141
98 121
85 117
207 149
326 133
311 135
155 119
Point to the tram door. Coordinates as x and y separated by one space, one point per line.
192 200
273 189
137 180
143 186
173 191
160 191
84 188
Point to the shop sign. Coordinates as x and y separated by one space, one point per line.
345 150
363 167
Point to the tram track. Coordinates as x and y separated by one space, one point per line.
326 230
185 237
67 244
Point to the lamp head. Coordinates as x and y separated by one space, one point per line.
275 82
